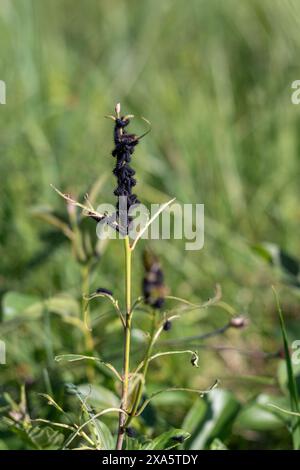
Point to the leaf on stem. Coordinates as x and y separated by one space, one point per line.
88 210
194 355
91 420
109 297
52 423
46 215
291 379
80 357
189 306
51 402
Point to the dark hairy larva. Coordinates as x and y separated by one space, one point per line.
103 290
153 283
167 325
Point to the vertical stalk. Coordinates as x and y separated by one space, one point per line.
85 274
140 387
88 337
126 358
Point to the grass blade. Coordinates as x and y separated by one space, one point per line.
291 379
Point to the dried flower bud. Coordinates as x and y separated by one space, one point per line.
238 322
103 290
118 109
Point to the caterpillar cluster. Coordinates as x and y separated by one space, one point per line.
154 289
124 147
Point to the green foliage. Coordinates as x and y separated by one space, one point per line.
211 418
224 133
292 387
167 440
258 416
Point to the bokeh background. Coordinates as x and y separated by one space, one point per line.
214 78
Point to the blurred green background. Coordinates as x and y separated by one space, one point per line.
214 78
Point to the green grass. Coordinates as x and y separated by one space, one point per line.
214 79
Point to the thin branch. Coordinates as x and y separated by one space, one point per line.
113 301
97 415
88 211
177 389
141 233
169 353
283 410
210 334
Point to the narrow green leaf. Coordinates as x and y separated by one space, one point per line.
258 416
211 418
80 357
217 444
291 379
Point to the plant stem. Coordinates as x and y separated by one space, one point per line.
144 371
124 401
88 337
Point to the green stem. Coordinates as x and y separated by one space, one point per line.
139 392
89 343
88 337
126 360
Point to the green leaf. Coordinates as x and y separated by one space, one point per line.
287 264
211 418
167 440
15 304
51 401
293 392
104 439
258 416
133 444
22 305
283 379
217 445
63 304
80 357
46 438
107 439
99 396
36 437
